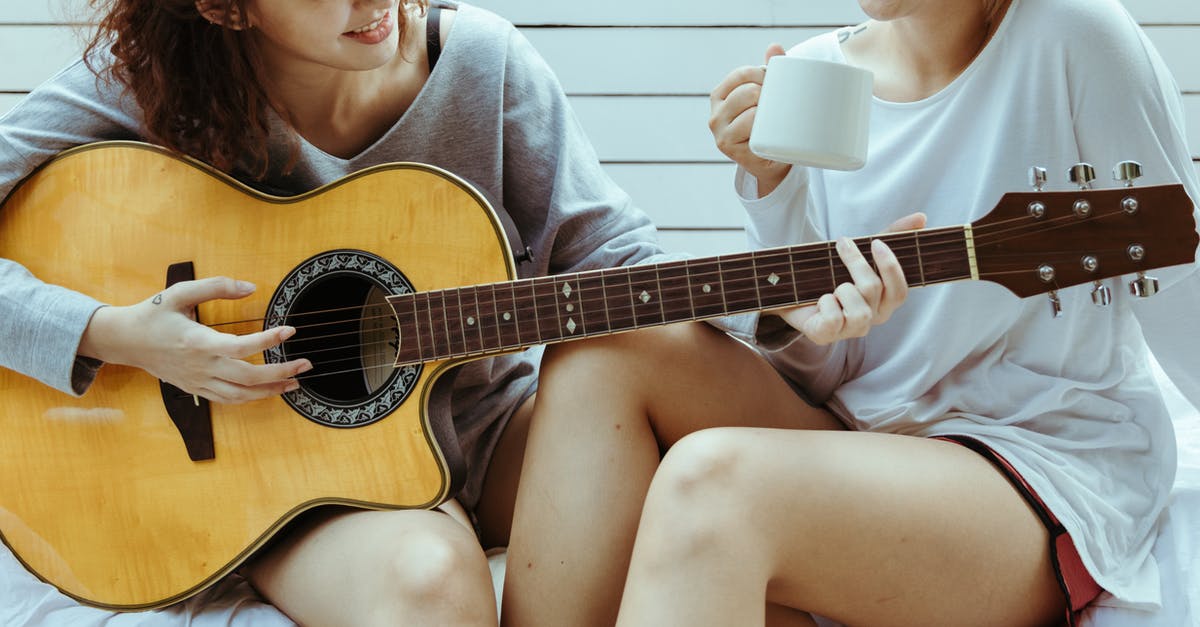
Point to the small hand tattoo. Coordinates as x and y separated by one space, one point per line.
157 300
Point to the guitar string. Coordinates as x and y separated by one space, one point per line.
633 317
816 249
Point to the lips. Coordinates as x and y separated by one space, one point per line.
373 32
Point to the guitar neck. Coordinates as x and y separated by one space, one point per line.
512 315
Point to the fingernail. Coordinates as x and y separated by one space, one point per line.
245 286
292 386
286 332
304 367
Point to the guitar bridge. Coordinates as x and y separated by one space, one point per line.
191 414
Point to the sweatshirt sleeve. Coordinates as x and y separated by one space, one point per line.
41 324
569 209
1140 118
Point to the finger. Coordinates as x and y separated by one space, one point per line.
774 50
188 294
220 391
241 346
797 317
857 313
826 324
740 100
861 272
895 285
745 74
910 222
246 374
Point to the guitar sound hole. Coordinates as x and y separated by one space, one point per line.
345 327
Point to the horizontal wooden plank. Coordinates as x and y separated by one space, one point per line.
638 12
753 12
675 129
646 129
679 195
622 69
703 243
43 50
697 65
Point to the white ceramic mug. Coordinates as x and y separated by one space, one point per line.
813 112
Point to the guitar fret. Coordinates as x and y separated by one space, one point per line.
427 299
506 318
489 336
644 296
468 299
525 313
546 309
707 299
618 306
773 276
454 341
920 262
674 291
408 347
738 283
594 313
570 306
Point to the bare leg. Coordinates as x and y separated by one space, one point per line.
606 408
867 529
368 568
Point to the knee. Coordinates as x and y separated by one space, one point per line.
438 571
697 500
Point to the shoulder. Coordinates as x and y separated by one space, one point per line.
1078 25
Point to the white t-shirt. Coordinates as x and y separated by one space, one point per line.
1070 401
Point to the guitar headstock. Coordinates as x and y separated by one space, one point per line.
1041 241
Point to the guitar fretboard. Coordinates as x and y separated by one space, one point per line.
507 316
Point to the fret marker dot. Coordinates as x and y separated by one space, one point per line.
570 307
566 291
507 316
470 321
571 325
706 289
773 279
645 296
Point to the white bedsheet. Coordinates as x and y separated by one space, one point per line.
26 601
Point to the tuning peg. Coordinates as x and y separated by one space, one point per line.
1082 174
1101 295
1128 172
1055 304
1037 178
1143 286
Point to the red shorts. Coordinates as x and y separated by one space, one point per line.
1076 582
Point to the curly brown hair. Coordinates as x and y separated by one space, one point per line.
201 86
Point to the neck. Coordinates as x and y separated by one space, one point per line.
916 54
505 316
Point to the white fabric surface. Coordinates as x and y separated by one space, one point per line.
25 601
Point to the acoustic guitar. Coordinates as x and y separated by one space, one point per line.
138 495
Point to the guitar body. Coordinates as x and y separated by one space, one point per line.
100 495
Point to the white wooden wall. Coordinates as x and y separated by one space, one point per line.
638 73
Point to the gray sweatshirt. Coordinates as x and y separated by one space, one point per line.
492 112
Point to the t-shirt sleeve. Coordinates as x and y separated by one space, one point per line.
41 324
1127 106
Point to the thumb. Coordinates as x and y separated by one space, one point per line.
187 294
774 50
910 222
